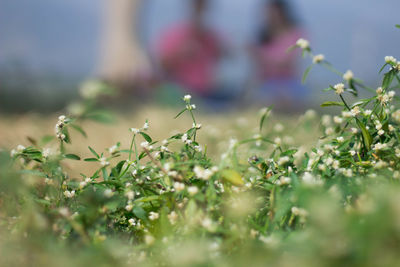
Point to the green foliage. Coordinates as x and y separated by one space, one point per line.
167 203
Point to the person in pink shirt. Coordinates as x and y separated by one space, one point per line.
276 71
189 53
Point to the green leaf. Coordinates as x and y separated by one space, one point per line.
263 117
398 26
147 199
72 156
366 135
383 67
146 137
101 116
91 159
233 177
289 152
139 212
93 152
305 74
79 129
387 79
331 103
180 113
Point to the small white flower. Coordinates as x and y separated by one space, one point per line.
134 130
179 186
380 146
355 111
354 130
132 221
69 194
352 152
302 43
390 59
130 195
278 128
145 126
337 119
381 132
129 207
145 145
348 75
283 160
104 162
318 58
339 88
153 215
367 112
173 217
197 126
379 90
108 193
187 98
192 190
340 139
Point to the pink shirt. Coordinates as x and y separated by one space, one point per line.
190 57
274 60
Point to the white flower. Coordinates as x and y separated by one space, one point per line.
348 75
197 126
355 111
192 190
153 215
390 59
108 193
173 217
145 126
179 186
206 223
149 239
339 88
337 119
187 98
134 130
310 114
352 152
20 148
283 181
381 132
379 146
318 58
278 127
326 120
283 160
69 194
129 207
145 145
340 139
132 221
130 195
367 112
354 130
278 141
202 173
113 149
302 43
104 162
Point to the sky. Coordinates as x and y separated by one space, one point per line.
63 36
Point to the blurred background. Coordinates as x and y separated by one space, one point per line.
146 49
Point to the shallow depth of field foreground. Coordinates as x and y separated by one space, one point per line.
179 187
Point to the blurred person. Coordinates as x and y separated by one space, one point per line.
189 53
276 79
